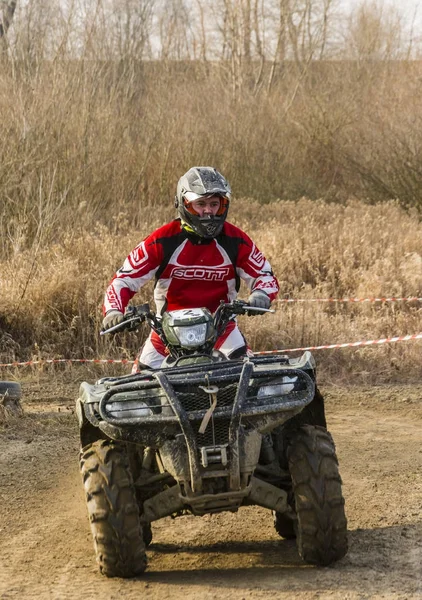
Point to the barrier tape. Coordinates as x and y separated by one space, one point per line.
403 338
124 361
356 300
53 361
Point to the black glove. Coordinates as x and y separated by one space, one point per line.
258 299
112 318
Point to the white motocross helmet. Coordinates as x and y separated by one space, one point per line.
200 182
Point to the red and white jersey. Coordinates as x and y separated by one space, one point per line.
190 271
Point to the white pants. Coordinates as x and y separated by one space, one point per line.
153 351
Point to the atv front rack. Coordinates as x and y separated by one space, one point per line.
176 394
154 407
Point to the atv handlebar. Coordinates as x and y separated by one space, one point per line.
240 307
135 315
227 311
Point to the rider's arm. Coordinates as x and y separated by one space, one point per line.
139 267
254 268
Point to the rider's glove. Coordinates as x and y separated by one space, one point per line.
112 318
258 299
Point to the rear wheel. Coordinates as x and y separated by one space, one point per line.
285 525
147 534
113 509
321 526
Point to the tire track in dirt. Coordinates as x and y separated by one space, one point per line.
46 549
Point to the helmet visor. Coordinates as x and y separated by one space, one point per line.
190 197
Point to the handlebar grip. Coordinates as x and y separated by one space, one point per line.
123 325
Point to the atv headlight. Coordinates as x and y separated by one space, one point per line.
189 327
190 337
128 409
277 388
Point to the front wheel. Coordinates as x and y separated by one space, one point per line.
321 526
113 509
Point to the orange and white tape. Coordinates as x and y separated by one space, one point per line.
356 300
124 361
402 338
56 361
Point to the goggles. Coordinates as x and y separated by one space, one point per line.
190 197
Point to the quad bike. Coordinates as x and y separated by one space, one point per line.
204 434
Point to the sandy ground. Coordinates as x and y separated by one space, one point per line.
46 549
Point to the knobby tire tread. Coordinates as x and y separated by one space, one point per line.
285 526
113 510
321 521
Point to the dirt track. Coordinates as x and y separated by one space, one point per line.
46 549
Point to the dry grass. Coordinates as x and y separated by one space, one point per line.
82 141
50 303
95 133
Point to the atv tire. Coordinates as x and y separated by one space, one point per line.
147 534
11 389
113 509
286 526
321 526
10 395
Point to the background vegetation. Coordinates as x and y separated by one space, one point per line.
105 103
50 301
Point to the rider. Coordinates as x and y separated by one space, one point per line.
197 261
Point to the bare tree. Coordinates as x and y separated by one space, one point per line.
203 50
232 42
374 32
132 25
246 16
37 31
175 30
280 51
324 27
